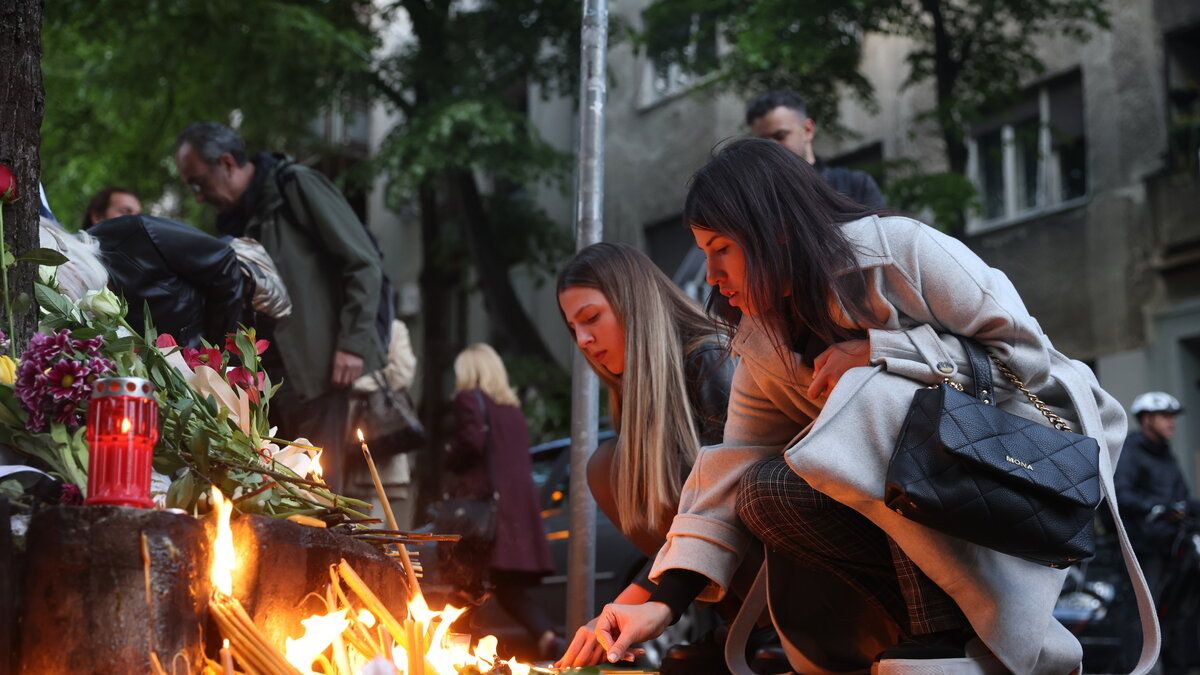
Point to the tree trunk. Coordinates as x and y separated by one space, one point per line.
22 102
437 292
946 71
516 329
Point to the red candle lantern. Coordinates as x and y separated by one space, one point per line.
122 428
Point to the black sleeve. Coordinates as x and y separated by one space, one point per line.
678 588
209 265
867 191
1133 504
709 371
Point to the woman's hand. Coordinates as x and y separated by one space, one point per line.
834 362
584 650
619 627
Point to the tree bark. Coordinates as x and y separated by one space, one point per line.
22 102
438 286
517 331
946 71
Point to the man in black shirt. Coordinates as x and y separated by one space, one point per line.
781 116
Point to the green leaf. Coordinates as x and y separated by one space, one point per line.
8 260
183 492
199 445
123 344
85 333
43 256
54 302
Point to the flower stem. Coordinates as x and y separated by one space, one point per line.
12 333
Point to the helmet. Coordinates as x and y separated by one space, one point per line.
1156 402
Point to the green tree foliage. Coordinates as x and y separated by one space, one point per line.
466 152
976 53
123 78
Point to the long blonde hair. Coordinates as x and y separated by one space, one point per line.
649 400
480 367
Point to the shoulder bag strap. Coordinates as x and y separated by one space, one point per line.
487 437
1151 635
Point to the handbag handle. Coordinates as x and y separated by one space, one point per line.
981 372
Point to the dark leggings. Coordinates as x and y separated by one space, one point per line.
511 589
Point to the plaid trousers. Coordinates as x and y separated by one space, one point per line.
793 518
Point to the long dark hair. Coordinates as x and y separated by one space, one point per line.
787 220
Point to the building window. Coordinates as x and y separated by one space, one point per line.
672 73
1031 156
1183 98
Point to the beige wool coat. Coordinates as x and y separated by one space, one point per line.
924 286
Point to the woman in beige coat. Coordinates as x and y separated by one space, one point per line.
841 315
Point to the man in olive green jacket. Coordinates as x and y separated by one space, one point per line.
328 263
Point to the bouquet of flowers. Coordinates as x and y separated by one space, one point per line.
213 409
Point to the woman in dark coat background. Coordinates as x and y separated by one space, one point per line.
491 454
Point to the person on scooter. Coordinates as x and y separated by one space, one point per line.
1156 505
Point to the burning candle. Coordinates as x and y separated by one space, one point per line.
226 658
387 512
122 428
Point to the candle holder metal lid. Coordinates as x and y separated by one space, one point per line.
123 386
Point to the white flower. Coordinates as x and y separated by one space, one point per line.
101 303
48 276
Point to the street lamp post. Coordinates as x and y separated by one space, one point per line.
581 559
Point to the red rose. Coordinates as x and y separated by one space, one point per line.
8 185
165 341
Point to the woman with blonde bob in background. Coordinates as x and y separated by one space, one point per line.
667 370
490 455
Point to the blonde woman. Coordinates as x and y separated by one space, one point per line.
668 374
490 454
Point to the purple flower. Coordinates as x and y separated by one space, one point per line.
55 377
71 495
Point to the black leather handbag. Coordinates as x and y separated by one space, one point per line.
474 519
967 468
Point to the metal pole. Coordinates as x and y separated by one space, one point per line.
585 402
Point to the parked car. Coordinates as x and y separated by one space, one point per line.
617 563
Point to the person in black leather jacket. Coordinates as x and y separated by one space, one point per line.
190 280
668 372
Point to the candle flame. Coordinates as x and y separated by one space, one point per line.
315 469
361 438
125 425
319 633
366 618
225 645
224 555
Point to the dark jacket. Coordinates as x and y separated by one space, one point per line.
328 263
190 280
497 438
857 185
1148 475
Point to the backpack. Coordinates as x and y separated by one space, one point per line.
386 311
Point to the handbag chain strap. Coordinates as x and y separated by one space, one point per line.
1055 421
